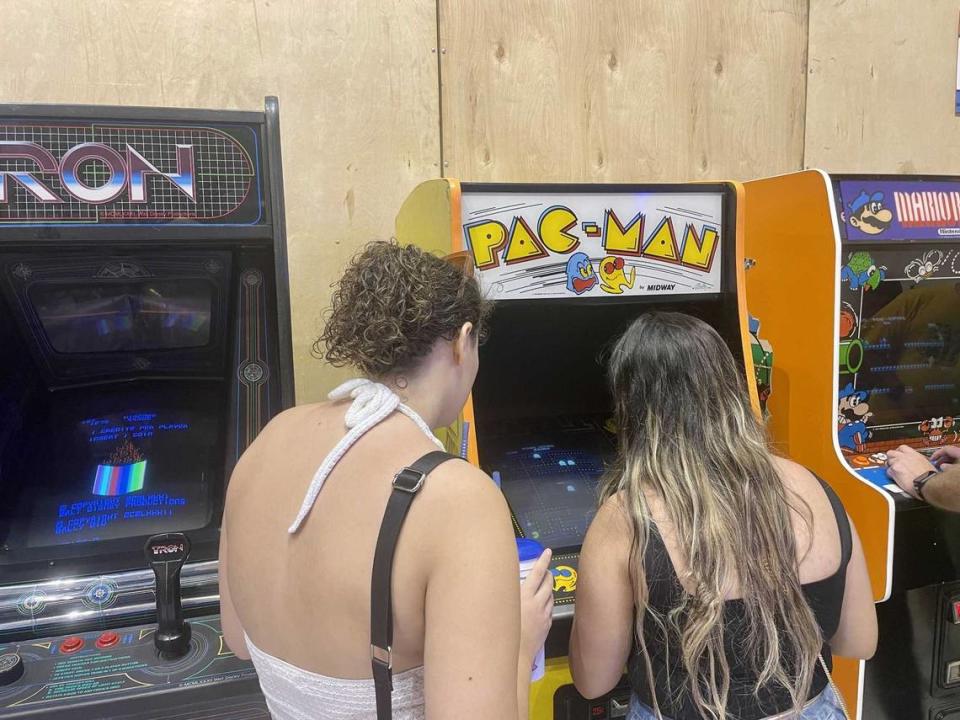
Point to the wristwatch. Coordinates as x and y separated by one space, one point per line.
920 482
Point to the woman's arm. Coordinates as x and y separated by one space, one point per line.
856 635
905 464
603 622
472 662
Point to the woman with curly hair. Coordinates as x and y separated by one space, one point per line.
296 562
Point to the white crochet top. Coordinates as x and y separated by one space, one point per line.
296 694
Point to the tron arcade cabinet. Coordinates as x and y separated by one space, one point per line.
144 342
570 266
856 280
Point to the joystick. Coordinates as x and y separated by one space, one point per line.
11 668
166 554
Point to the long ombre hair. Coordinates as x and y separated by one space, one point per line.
688 435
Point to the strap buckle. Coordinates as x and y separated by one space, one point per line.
408 480
383 656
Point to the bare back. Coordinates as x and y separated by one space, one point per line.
603 629
817 535
305 597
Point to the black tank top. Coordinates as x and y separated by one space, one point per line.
665 592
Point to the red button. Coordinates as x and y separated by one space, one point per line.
956 612
108 639
71 644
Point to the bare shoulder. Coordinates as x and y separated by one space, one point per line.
459 487
298 415
274 437
460 501
300 419
609 541
803 484
612 521
797 478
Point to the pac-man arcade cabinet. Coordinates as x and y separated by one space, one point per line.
144 342
570 267
856 280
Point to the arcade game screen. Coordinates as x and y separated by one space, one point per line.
900 377
106 465
552 479
543 409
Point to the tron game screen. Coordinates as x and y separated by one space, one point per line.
119 469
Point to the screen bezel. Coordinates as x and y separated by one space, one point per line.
36 292
22 272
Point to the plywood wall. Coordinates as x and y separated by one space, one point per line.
357 84
579 90
563 90
881 86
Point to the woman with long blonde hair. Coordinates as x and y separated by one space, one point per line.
718 573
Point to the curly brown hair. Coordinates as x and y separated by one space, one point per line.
392 304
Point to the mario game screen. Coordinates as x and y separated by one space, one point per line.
899 349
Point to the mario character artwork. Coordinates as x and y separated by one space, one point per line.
580 274
861 271
853 412
613 277
868 214
762 353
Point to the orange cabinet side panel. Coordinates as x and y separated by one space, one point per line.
792 289
742 306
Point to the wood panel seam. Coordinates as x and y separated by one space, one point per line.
439 52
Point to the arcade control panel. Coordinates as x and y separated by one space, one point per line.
142 672
926 540
872 467
950 667
568 704
121 674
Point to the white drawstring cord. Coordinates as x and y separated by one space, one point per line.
372 403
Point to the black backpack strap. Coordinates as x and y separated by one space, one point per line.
406 485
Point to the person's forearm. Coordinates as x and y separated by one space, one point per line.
943 489
523 688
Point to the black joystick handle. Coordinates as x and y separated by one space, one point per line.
166 554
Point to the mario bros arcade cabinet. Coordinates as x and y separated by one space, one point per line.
872 363
569 267
144 341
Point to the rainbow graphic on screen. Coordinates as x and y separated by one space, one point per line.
122 473
119 479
